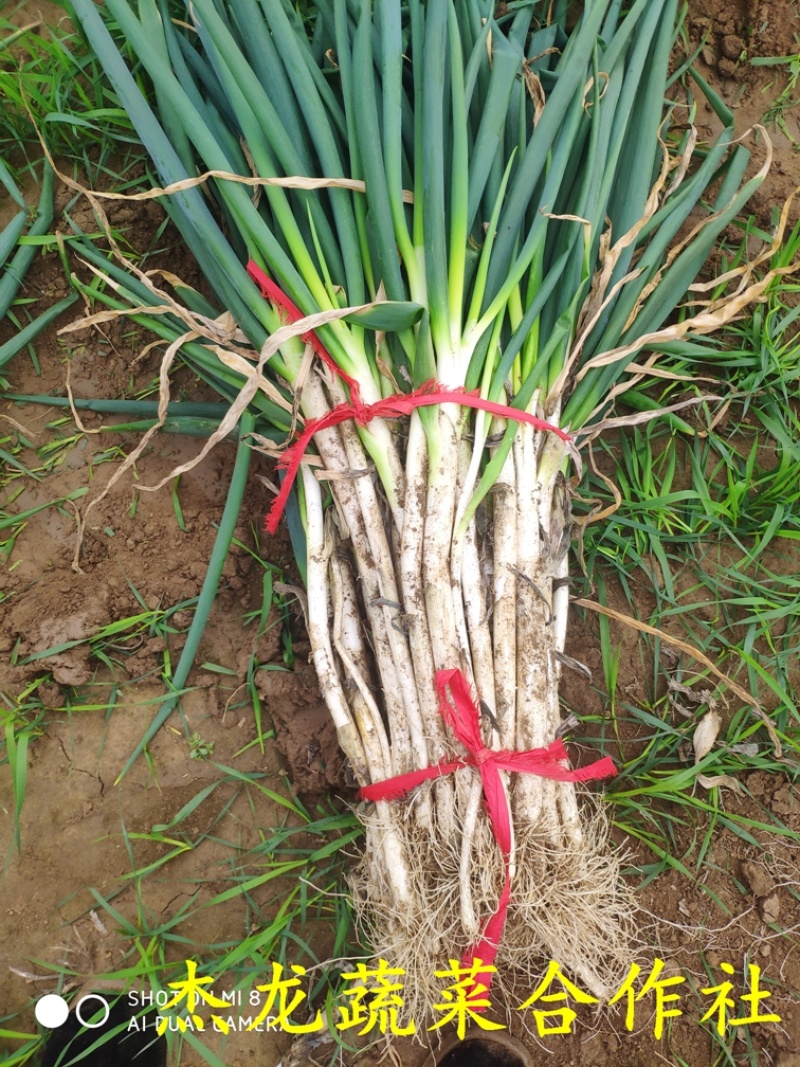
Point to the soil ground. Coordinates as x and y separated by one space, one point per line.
743 909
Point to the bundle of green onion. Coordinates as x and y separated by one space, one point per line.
503 211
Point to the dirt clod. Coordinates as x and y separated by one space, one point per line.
769 908
732 47
760 883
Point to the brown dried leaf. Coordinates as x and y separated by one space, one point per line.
597 428
247 370
570 723
535 90
706 734
289 182
101 317
676 688
747 748
719 780
573 664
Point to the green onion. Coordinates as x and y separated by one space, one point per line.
523 189
14 270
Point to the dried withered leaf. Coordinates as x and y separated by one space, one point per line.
676 688
574 664
570 723
710 781
746 748
706 734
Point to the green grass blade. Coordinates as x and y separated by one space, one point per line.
208 593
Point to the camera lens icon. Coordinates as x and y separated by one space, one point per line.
87 1022
52 1011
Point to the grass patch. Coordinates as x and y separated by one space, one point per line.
52 86
705 538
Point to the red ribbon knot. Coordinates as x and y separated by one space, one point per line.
460 713
390 407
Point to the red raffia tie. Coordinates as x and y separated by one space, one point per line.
391 407
460 713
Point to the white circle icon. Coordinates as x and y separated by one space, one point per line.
51 1011
87 1022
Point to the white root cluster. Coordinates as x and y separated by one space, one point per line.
398 593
